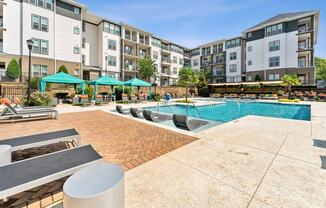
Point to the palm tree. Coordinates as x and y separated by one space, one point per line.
147 68
187 78
290 80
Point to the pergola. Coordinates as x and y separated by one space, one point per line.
106 80
138 83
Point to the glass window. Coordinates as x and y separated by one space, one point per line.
49 4
44 24
233 43
40 3
249 48
76 10
175 70
277 76
249 78
155 54
274 29
274 61
175 59
76 50
36 70
112 44
196 62
76 30
274 45
83 42
111 28
32 2
44 47
249 35
84 27
233 68
36 46
249 63
35 22
44 71
76 72
271 77
180 61
233 56
83 59
112 61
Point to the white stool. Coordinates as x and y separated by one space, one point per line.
5 154
97 186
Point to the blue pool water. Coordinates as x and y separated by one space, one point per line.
232 110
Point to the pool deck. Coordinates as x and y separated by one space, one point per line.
255 162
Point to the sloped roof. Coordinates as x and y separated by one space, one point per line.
281 17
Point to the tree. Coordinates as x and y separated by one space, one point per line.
257 78
290 80
147 68
187 78
63 69
320 68
13 69
202 83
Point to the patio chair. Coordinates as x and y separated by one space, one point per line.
134 98
322 97
182 122
37 140
120 110
155 117
125 98
136 113
10 113
30 173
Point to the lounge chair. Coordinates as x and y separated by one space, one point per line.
10 113
30 173
249 96
37 140
84 100
155 117
182 122
136 113
270 97
120 110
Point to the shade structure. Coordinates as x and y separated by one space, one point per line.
61 78
105 80
138 83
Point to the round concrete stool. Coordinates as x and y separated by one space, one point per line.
99 186
5 154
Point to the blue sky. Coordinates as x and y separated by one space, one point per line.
193 22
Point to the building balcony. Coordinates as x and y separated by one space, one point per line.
304 64
304 29
166 61
304 47
206 63
130 53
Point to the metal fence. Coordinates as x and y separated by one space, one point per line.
13 89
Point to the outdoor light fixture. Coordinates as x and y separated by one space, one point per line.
30 44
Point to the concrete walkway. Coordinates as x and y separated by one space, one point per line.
254 162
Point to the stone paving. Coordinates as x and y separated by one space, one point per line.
119 140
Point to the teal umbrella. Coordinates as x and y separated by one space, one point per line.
61 78
138 83
105 80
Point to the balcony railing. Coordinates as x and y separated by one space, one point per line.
165 60
304 64
132 53
165 47
303 29
304 46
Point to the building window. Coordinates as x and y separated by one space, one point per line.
83 59
47 4
175 70
76 30
274 61
112 44
274 45
76 10
156 42
76 72
274 29
195 52
40 46
32 2
2 69
249 48
249 78
111 28
196 62
232 68
83 26
155 55
83 42
233 43
112 61
249 35
233 79
180 61
233 56
175 59
249 63
39 70
76 50
40 23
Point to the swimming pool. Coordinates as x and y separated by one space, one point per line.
232 110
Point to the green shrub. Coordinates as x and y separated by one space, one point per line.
118 92
64 69
38 99
13 69
90 92
156 96
34 83
257 78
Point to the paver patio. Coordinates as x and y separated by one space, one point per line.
118 140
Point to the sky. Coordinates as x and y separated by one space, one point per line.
194 22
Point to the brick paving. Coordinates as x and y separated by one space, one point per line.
118 140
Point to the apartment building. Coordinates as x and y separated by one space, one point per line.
55 28
65 33
283 44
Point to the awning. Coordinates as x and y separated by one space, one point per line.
105 80
138 83
61 78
